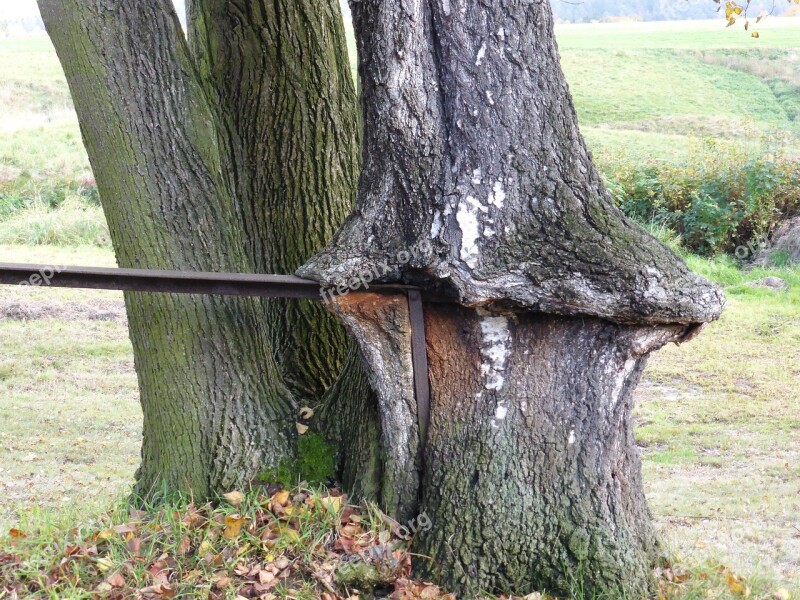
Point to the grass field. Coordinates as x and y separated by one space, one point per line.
718 418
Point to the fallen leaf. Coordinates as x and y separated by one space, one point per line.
116 580
105 563
306 413
123 529
734 583
205 547
184 545
332 504
782 594
281 497
233 526
234 498
301 429
16 533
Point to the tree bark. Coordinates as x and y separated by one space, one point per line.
530 474
237 151
280 75
215 408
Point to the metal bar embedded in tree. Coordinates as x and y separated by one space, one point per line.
227 284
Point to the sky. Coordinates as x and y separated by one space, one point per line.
20 9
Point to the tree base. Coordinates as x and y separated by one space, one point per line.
531 477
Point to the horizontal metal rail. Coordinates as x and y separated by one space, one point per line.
176 282
232 284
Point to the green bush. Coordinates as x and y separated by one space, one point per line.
718 201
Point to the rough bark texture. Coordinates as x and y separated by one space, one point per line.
471 144
470 128
215 408
280 75
280 78
237 151
533 480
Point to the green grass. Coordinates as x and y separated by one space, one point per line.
52 151
716 419
32 85
775 33
675 92
73 223
649 90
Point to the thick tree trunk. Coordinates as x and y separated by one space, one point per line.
215 408
280 76
530 475
239 155
533 480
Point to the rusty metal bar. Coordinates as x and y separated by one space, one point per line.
229 284
174 282
419 360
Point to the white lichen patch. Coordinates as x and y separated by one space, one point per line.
495 350
477 176
469 211
490 97
436 226
498 194
481 54
571 439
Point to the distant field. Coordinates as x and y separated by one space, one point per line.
646 90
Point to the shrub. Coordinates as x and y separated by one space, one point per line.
721 199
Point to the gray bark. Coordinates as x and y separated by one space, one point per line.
471 144
471 129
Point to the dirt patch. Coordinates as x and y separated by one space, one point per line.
785 248
32 310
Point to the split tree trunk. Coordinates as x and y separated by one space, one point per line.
239 156
280 76
530 476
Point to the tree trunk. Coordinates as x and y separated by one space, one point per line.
532 478
280 74
215 408
530 474
237 151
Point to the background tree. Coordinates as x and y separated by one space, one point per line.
237 151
